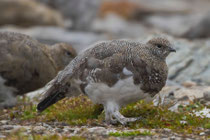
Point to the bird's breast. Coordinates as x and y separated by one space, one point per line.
123 92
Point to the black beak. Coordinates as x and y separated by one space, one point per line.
172 49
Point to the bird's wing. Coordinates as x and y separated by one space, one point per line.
101 52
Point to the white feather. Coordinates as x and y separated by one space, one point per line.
127 72
122 93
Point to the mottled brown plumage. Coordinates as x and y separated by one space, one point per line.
113 73
27 65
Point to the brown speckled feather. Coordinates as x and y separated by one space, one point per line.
111 57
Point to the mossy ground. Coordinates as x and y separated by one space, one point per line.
19 136
130 133
81 111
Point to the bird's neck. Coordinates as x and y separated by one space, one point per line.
48 52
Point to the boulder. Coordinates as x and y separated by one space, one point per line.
28 13
191 62
175 96
199 29
81 12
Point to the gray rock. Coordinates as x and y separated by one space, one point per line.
199 29
191 62
39 128
7 127
207 95
81 12
175 25
28 13
2 136
173 96
117 27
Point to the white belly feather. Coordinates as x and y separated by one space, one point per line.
123 92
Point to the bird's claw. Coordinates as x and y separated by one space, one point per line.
123 120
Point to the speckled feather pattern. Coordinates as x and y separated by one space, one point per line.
111 57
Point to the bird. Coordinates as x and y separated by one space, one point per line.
27 65
113 73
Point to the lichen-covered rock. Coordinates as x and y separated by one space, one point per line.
28 13
26 64
174 96
191 62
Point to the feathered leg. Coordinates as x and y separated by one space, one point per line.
113 115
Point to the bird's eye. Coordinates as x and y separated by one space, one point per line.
159 46
68 53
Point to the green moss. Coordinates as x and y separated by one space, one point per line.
40 137
207 126
130 133
24 112
161 117
77 138
21 135
75 111
81 111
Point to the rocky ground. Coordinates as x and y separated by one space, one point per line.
61 130
180 111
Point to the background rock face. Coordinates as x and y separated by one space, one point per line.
28 13
200 29
191 62
80 12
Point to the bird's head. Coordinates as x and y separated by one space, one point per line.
160 47
62 54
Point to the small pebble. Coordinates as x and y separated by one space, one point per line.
7 127
189 84
4 122
202 133
2 136
207 95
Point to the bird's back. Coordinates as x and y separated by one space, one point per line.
98 51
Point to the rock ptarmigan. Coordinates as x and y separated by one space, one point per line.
114 74
26 64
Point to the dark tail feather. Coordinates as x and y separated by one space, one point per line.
50 100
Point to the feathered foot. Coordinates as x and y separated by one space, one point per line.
112 115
